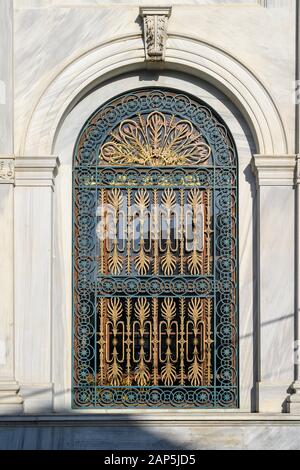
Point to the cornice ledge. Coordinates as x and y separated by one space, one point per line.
274 170
156 10
36 171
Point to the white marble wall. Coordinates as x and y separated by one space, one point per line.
56 3
33 230
6 282
100 3
46 39
9 401
277 299
33 271
48 36
6 77
109 436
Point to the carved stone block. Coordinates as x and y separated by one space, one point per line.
6 170
155 31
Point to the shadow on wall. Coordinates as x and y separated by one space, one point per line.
96 432
43 430
117 432
96 435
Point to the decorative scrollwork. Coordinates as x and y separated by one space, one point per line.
114 313
115 261
168 260
195 312
155 315
195 260
7 171
168 371
142 260
156 140
142 312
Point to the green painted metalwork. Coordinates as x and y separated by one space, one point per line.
155 329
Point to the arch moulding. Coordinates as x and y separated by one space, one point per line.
68 86
90 68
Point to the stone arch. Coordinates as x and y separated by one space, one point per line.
64 145
196 57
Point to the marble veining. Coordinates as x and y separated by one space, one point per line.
167 437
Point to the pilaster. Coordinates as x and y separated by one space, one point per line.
34 185
294 398
275 176
10 401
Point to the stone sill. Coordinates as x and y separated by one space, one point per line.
154 418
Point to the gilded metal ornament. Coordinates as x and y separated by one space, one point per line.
155 256
155 141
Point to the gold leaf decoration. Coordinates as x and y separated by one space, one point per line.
168 374
114 373
168 260
168 371
195 310
142 311
114 309
142 374
115 198
195 371
155 140
168 263
114 312
168 198
142 199
168 309
142 260
195 197
194 262
115 261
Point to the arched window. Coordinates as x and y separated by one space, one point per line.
155 256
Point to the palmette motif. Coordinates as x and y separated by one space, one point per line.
140 330
142 313
142 261
155 317
155 141
115 261
114 313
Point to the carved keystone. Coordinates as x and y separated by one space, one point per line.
155 31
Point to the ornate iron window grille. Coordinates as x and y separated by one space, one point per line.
155 323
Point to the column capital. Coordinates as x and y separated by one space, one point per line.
274 170
7 169
36 171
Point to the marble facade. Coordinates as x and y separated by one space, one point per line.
60 58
